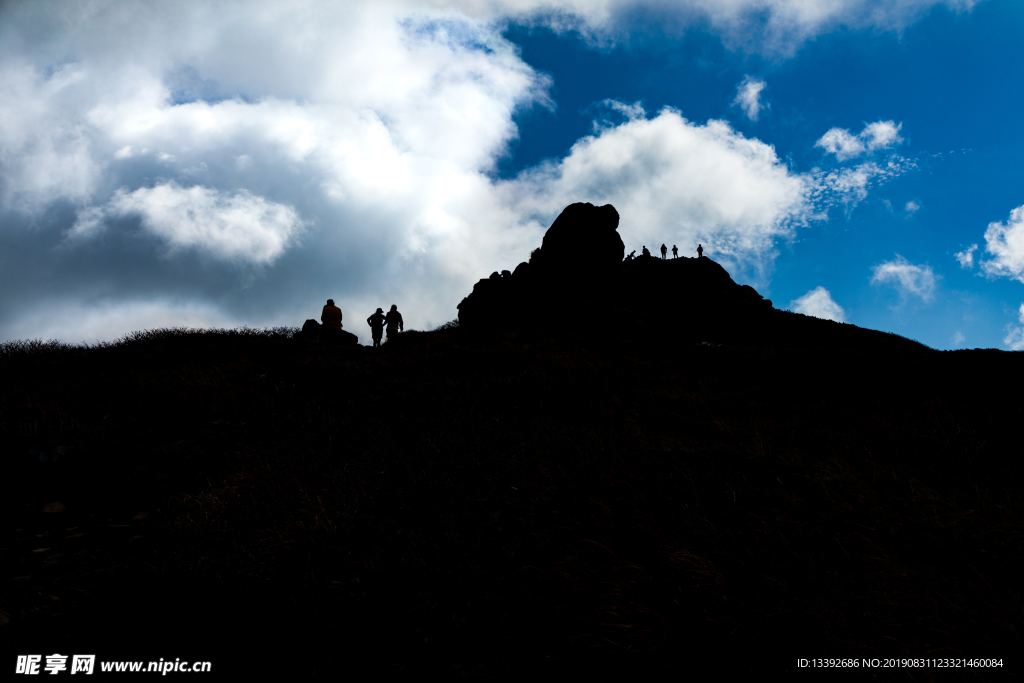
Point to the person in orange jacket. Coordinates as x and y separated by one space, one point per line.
331 316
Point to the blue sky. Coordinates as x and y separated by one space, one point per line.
239 164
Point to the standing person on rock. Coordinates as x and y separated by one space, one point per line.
376 323
675 251
664 252
394 321
700 251
331 318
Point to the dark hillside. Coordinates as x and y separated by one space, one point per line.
486 505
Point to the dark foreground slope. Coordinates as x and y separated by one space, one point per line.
490 505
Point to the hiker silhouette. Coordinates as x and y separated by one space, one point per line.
331 318
376 323
700 251
394 321
675 251
632 255
330 331
645 252
664 251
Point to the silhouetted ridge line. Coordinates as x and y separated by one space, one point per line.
579 279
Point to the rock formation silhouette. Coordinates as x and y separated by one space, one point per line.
578 281
584 238
578 277
311 330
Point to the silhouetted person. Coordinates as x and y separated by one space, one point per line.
376 323
632 255
331 318
664 252
645 252
675 251
394 321
700 251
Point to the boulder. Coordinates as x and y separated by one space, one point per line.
340 337
311 329
584 237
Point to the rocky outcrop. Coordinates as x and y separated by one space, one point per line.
583 240
578 276
312 330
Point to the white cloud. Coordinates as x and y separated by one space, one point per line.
849 186
1015 335
875 136
912 207
45 155
748 96
842 143
966 257
1005 242
237 226
675 181
958 339
908 279
881 134
630 111
819 303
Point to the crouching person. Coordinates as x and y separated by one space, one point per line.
331 318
